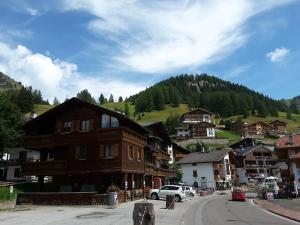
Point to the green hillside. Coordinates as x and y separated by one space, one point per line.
162 115
292 125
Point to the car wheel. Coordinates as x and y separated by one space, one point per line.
154 196
177 198
192 195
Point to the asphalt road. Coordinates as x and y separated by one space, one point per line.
219 210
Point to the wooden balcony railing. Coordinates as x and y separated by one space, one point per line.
44 167
38 141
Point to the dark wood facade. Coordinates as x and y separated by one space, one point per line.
157 156
257 129
87 148
198 123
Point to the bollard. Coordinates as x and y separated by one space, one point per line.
143 214
170 202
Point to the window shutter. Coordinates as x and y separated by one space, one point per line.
73 126
77 125
59 126
91 124
77 152
101 151
117 150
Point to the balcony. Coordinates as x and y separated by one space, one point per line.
38 141
165 172
44 167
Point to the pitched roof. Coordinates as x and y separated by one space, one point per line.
247 150
78 102
157 129
199 109
288 141
247 125
204 157
278 121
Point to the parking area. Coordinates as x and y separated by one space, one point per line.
88 215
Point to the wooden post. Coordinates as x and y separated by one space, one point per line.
170 202
41 183
143 214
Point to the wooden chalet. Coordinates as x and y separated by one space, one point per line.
84 147
198 123
288 151
158 152
256 130
255 162
279 127
198 115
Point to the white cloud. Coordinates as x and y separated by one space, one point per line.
161 36
278 54
55 77
237 71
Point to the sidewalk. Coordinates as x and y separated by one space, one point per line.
279 210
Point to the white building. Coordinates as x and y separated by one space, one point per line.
209 169
11 168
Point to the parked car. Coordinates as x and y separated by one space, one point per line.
183 183
238 195
189 191
168 190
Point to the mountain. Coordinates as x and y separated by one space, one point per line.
217 95
6 83
293 104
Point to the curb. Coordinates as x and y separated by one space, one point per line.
276 212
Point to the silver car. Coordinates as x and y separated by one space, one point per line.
175 190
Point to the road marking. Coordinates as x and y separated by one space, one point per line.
274 214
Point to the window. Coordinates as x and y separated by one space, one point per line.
108 151
130 152
139 154
108 121
173 188
17 172
50 156
85 125
194 164
195 173
22 156
80 152
105 121
165 188
114 122
67 126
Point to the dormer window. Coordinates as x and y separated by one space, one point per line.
109 121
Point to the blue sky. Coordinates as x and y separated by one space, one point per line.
124 46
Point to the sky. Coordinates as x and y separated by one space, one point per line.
123 46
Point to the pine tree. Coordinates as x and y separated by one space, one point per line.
25 100
111 98
101 99
86 96
55 101
120 99
126 110
158 99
